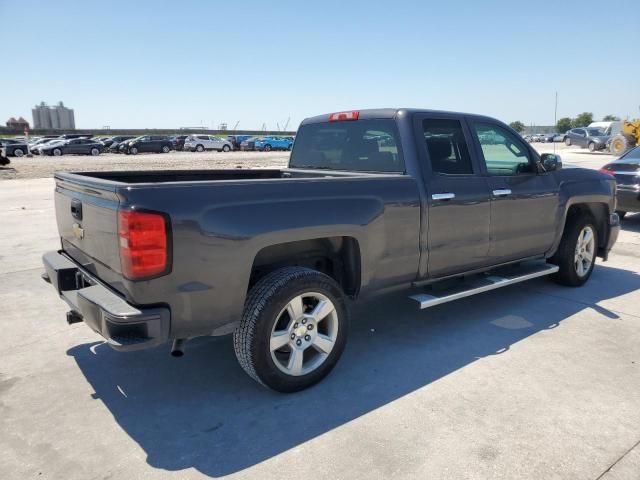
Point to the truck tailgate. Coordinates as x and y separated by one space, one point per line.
87 217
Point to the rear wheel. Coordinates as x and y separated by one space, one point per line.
199 148
18 152
165 149
576 254
57 152
267 148
567 142
133 151
226 148
293 329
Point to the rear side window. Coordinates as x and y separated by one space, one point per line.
203 137
361 145
447 147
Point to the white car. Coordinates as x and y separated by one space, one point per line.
200 143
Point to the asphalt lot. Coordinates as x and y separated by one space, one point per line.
532 381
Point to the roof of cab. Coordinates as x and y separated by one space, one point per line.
376 113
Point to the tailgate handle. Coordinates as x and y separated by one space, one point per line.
76 209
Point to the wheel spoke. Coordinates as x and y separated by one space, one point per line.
295 308
586 237
322 310
278 340
323 343
295 361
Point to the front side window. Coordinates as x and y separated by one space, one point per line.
504 154
447 147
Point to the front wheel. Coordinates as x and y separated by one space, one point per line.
293 329
57 152
18 152
267 148
226 148
165 149
95 152
133 151
576 254
567 142
592 147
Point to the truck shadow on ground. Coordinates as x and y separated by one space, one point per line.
203 411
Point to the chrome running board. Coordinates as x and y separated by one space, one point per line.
499 278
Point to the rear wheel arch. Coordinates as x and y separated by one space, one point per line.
338 257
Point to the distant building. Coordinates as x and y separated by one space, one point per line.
19 124
56 117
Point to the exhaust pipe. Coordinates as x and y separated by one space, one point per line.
177 349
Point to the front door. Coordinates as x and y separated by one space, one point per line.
458 196
524 202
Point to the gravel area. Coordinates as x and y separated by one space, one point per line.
45 166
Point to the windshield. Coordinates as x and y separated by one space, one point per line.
595 132
361 145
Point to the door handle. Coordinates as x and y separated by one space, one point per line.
443 196
503 192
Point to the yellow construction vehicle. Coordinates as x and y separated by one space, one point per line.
628 137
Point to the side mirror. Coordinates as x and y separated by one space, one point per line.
551 162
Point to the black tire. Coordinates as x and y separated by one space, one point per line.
592 147
18 152
567 141
565 255
621 214
289 147
263 306
199 148
267 148
133 150
95 152
56 152
226 148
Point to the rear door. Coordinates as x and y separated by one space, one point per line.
524 203
458 196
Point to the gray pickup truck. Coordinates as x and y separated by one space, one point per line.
444 205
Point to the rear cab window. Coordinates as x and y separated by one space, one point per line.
370 145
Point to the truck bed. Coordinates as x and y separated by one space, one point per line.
172 176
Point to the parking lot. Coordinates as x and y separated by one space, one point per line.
531 381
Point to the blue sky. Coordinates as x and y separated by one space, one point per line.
173 64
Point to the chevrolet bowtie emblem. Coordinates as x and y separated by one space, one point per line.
78 231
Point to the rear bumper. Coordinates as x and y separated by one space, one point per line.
124 326
614 230
627 199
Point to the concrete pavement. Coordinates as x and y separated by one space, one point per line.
532 381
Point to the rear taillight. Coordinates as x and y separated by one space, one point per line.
144 250
344 116
606 171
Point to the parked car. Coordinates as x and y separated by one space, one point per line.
35 148
114 147
236 140
548 137
249 145
560 137
200 143
13 148
74 146
626 171
273 143
146 143
177 142
273 255
591 138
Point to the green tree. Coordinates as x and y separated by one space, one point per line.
518 126
582 120
610 118
563 124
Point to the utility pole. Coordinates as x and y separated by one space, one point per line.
555 120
